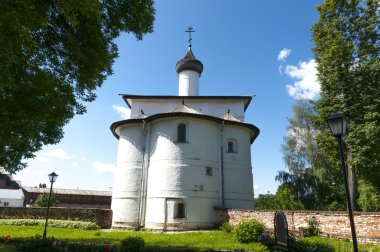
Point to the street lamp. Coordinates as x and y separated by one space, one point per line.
52 178
338 127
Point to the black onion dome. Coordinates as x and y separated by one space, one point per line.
189 63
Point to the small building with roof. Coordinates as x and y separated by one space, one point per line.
180 157
10 193
71 198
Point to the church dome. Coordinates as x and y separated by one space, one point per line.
189 62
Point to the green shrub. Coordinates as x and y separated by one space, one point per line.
313 244
42 200
87 247
131 244
36 244
226 227
313 226
249 231
51 223
74 224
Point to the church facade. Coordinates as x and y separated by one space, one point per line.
180 157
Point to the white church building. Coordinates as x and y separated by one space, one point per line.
180 157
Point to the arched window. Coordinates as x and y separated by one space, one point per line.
181 133
231 146
180 210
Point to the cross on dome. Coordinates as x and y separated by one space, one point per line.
190 30
189 62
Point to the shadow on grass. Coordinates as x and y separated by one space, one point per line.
181 249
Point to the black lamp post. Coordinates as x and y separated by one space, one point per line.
338 127
52 178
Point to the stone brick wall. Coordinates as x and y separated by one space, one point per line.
334 224
102 217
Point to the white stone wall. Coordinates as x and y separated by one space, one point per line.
11 198
237 169
127 178
11 202
214 107
176 172
188 83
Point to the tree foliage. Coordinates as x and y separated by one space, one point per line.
369 198
300 146
43 199
40 185
267 202
287 197
311 183
300 156
53 55
347 55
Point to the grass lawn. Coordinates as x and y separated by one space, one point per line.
195 241
205 240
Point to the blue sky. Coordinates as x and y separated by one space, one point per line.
260 48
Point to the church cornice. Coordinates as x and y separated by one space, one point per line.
129 97
254 130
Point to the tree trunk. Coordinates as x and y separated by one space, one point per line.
352 181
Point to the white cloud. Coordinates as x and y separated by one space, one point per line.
280 69
38 173
255 187
306 85
57 153
103 167
283 54
124 112
41 159
74 163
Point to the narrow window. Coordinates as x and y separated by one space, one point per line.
181 137
180 208
230 147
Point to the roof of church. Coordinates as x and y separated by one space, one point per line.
254 130
189 62
141 116
129 97
230 117
184 109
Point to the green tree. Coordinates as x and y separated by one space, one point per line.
42 200
299 154
53 56
300 146
369 199
347 54
312 184
267 202
285 194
